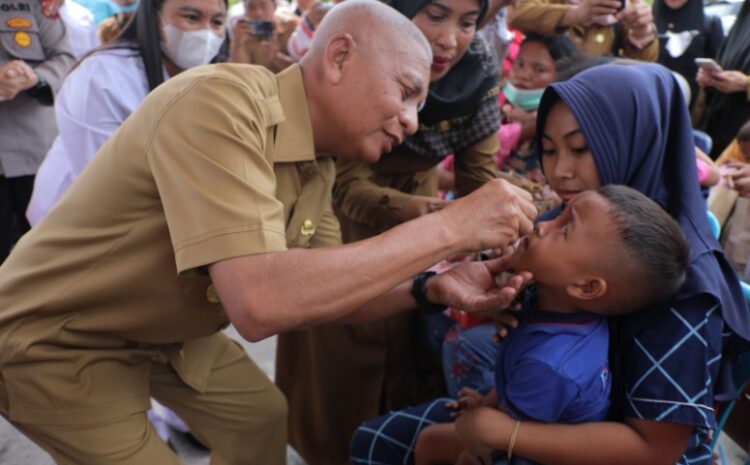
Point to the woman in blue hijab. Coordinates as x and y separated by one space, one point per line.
628 125
617 124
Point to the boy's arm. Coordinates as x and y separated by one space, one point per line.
645 442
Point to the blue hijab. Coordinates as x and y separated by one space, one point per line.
638 129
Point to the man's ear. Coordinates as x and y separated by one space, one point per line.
588 288
338 53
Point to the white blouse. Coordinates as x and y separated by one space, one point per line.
93 102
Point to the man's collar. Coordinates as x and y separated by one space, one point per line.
294 135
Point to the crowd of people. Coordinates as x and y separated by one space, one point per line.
479 228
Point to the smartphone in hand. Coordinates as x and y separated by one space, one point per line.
708 64
261 28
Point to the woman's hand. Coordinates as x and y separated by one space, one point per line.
740 177
419 205
484 430
726 82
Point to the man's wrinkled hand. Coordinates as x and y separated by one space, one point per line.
492 216
473 286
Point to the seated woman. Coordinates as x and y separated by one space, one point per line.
360 371
111 81
626 125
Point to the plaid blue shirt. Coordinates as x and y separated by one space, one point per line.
672 365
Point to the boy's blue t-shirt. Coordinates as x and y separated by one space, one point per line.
554 368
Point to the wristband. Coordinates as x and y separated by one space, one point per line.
419 292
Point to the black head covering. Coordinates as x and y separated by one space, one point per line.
686 18
467 91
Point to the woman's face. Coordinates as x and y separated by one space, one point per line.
449 26
194 15
534 67
566 159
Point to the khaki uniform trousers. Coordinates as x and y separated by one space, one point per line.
240 415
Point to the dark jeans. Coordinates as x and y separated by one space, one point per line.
15 194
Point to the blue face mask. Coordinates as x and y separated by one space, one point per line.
129 8
525 99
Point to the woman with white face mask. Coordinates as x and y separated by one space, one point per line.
163 38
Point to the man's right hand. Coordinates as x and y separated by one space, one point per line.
492 216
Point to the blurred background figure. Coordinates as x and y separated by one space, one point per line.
81 27
33 62
623 28
686 33
261 35
728 90
302 36
164 38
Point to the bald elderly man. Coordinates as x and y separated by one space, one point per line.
180 226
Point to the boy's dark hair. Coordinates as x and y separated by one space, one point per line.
744 133
653 241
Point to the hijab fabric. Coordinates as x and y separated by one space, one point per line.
461 107
637 126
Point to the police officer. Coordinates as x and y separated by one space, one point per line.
35 56
180 225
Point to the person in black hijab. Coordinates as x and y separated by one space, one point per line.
686 33
728 91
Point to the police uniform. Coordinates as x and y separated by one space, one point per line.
30 30
107 301
543 16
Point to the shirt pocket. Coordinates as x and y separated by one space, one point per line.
19 36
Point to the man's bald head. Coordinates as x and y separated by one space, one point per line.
373 25
365 75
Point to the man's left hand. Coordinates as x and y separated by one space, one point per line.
475 286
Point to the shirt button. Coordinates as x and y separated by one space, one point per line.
211 294
307 229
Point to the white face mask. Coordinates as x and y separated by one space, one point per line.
191 48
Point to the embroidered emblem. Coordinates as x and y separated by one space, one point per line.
22 39
18 23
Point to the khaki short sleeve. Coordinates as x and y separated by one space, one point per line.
208 157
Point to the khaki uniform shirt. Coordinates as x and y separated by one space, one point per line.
114 277
543 17
32 31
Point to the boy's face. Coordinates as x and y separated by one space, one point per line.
569 248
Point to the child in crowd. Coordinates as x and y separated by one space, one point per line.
537 65
735 235
611 251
